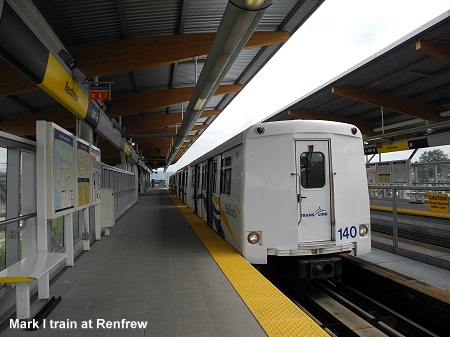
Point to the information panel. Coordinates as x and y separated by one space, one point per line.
371 171
96 174
61 170
400 172
83 174
384 173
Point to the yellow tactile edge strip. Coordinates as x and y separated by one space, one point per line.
412 212
276 314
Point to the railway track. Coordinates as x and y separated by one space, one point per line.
344 317
345 309
414 228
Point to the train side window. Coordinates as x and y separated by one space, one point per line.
312 169
198 178
214 176
205 177
226 176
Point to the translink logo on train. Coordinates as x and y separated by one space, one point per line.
230 211
318 212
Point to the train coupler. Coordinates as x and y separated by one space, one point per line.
319 268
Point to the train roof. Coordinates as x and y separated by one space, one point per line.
283 127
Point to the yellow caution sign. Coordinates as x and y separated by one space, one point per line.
438 203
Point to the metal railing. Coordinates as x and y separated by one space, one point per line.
13 232
413 221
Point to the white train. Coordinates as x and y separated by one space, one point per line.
293 189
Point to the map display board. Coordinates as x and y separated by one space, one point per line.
400 172
61 169
384 173
83 174
96 174
371 172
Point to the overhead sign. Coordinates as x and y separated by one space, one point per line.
399 146
392 147
100 91
438 203
21 48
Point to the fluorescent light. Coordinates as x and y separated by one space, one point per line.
445 113
398 125
253 4
199 104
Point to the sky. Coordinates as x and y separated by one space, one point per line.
338 36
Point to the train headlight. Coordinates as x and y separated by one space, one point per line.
259 130
253 238
363 230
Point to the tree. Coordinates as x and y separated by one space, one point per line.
433 155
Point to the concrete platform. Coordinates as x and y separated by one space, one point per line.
152 269
423 272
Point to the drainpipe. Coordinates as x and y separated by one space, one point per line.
238 23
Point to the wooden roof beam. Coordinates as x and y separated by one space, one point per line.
125 105
364 127
148 123
156 99
406 106
439 50
146 52
160 143
156 152
170 130
133 54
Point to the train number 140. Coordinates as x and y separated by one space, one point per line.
346 232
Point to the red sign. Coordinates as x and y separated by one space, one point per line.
99 95
99 92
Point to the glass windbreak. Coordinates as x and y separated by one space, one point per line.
312 169
57 226
3 161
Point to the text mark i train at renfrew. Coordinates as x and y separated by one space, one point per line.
285 193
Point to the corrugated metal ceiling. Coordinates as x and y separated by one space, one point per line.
400 71
90 22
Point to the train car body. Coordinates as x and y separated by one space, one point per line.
286 189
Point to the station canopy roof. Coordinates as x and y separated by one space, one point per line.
399 98
154 53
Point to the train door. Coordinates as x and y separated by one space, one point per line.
194 188
214 216
314 197
198 190
204 191
209 188
184 180
180 186
189 187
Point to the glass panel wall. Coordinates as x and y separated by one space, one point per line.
3 167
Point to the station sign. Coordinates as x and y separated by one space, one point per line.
438 203
399 146
100 91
